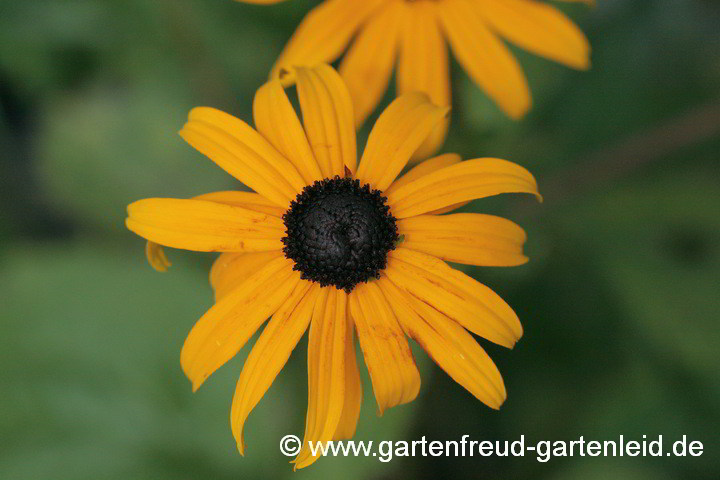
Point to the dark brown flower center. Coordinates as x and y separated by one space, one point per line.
339 233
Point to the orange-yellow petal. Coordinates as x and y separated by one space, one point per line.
269 355
461 182
324 33
424 168
225 328
353 388
423 65
156 257
277 121
539 28
367 66
485 58
204 226
242 152
470 238
395 378
327 112
231 269
326 371
448 344
248 200
397 134
455 294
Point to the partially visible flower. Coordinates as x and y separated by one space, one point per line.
412 34
340 248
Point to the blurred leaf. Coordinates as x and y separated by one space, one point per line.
103 149
657 242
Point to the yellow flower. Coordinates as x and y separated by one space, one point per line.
340 248
412 34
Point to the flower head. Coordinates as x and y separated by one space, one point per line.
413 34
341 249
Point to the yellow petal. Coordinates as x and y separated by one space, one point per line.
461 182
397 134
225 328
470 238
324 33
269 355
424 66
326 371
231 269
328 117
395 378
455 294
485 58
248 200
353 388
424 168
242 152
448 344
368 63
277 121
539 28
156 257
204 226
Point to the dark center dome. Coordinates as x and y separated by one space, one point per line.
339 233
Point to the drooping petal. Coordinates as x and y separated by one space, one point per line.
327 112
248 200
397 134
461 182
485 58
156 257
539 28
470 238
448 344
353 387
424 65
242 152
204 226
455 294
231 269
324 33
277 121
225 328
270 353
367 66
395 378
326 371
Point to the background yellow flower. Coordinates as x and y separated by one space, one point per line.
413 34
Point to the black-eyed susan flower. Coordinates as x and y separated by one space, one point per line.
342 249
413 34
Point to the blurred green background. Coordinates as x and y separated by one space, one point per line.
620 301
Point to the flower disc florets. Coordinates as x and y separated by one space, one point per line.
339 233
